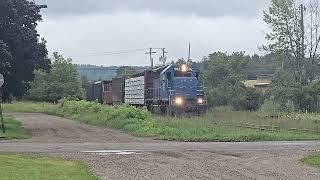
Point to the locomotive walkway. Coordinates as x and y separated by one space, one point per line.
114 155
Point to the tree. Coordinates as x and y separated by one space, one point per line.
221 68
5 64
21 50
62 81
224 75
290 36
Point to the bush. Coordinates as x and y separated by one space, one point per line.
238 96
128 118
294 96
250 101
62 81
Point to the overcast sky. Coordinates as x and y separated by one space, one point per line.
101 31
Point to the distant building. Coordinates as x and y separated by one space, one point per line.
262 83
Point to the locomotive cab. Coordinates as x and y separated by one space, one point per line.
182 88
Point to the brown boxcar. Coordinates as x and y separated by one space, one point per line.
107 92
118 90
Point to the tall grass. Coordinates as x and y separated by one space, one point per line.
31 107
13 129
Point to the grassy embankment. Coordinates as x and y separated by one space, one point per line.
29 168
13 129
216 126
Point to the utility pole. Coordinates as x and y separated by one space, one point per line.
302 41
163 58
150 53
302 30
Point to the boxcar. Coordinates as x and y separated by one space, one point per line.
107 92
94 92
118 90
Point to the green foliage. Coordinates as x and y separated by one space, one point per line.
128 118
223 75
262 65
250 100
293 36
288 95
30 107
62 81
312 160
21 51
14 130
32 167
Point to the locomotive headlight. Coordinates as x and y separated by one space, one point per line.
184 68
179 101
200 101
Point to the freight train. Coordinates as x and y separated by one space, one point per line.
172 89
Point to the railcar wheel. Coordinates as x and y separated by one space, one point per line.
163 109
150 108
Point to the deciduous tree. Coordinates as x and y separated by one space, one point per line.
21 49
62 81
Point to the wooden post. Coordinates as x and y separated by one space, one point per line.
2 121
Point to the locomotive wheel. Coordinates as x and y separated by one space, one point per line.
172 112
150 108
163 109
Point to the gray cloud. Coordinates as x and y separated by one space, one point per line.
207 8
85 39
85 29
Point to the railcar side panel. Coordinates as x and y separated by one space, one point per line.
107 92
135 91
117 91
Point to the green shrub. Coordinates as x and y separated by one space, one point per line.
128 118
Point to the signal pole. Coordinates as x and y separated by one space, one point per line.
150 53
163 59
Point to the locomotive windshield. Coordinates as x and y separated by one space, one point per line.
183 71
179 73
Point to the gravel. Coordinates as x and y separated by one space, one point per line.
52 129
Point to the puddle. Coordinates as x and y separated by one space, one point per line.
112 152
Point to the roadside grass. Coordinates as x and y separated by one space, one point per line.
217 125
309 121
30 107
211 128
312 160
31 168
13 129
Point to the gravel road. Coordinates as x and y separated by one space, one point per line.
149 159
52 129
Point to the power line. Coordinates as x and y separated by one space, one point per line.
163 58
150 53
112 53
